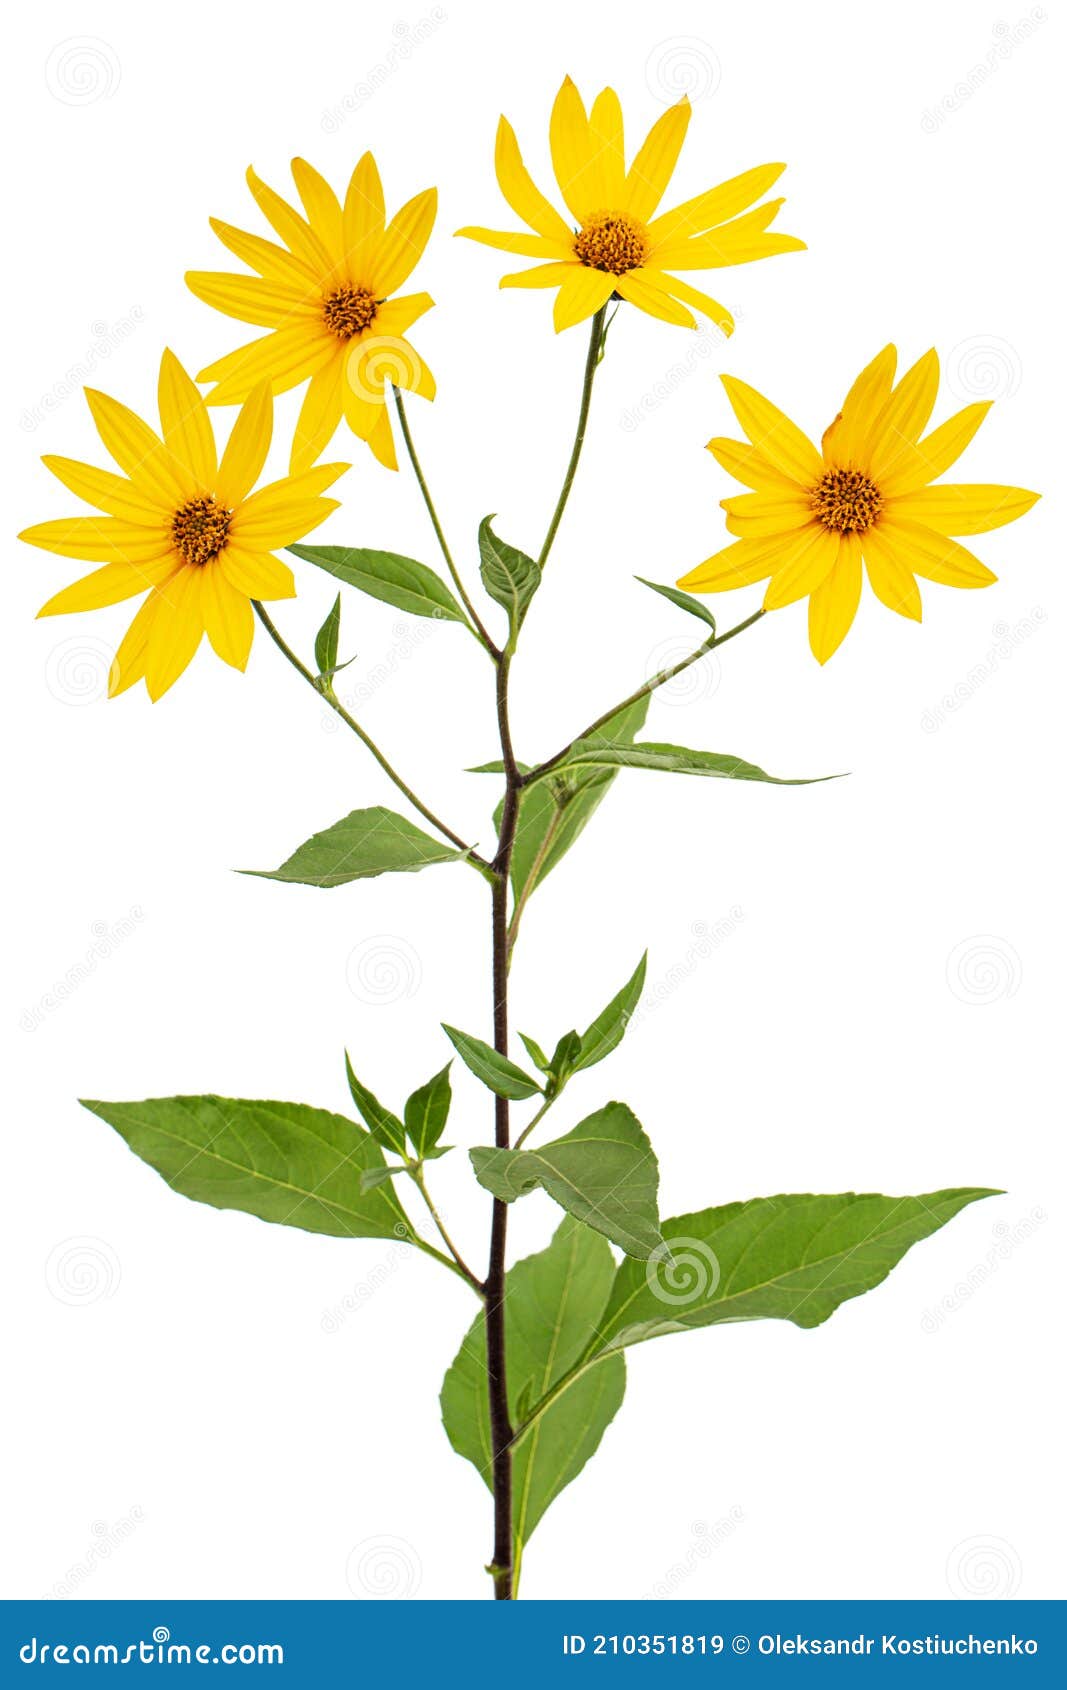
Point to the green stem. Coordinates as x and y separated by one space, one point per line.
660 679
405 428
472 1279
326 691
535 1122
592 359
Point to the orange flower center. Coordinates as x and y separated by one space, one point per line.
200 529
846 500
348 311
613 242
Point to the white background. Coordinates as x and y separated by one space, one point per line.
855 983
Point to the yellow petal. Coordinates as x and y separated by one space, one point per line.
397 315
286 357
652 169
903 416
129 661
403 243
582 294
752 467
541 276
937 452
111 493
963 508
272 262
607 166
772 433
110 585
256 574
100 539
321 206
720 250
227 616
525 199
715 206
832 606
890 578
934 556
364 212
251 300
380 440
308 485
843 440
568 136
298 236
638 287
319 416
176 631
756 514
137 450
247 448
279 525
803 568
527 246
700 302
186 426
381 360
755 222
739 565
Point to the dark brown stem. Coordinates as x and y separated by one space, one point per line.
495 1333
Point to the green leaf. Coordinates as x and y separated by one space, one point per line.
373 1177
672 759
426 1111
508 576
553 1305
553 814
326 640
535 1053
600 1039
604 1173
380 1122
795 1257
396 580
564 1060
684 601
362 844
284 1162
504 1078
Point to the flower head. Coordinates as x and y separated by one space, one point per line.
616 245
325 297
183 526
816 518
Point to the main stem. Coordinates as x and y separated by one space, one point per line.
495 1334
592 359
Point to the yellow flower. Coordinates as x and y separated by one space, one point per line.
816 517
324 296
181 524
619 248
